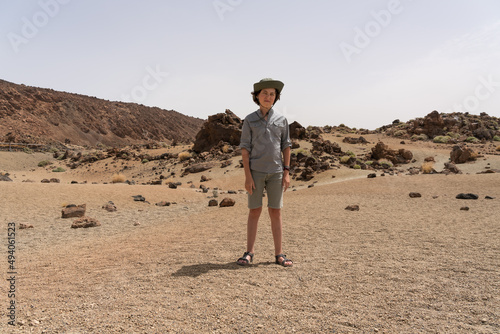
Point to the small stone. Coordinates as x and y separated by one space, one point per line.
464 208
352 207
415 195
137 224
72 211
489 197
467 196
372 175
139 198
110 207
163 203
227 202
85 222
213 202
23 226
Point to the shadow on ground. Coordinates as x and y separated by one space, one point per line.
196 270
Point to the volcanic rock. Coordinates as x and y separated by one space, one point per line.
110 207
350 140
139 198
461 154
467 196
72 210
450 166
5 177
198 168
226 202
220 127
352 207
297 131
85 222
382 151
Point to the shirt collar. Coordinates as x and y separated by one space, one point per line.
270 114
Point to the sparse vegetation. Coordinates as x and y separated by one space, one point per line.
27 150
302 151
58 170
441 139
345 159
472 140
145 161
422 137
183 156
357 167
350 153
43 163
385 162
496 138
225 148
427 167
118 178
400 133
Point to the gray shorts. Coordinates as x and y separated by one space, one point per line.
274 188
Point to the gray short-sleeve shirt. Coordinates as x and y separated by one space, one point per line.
265 140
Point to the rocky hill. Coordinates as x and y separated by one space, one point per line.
39 116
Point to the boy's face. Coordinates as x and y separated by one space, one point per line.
266 97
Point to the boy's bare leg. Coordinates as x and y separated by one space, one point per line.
277 229
252 224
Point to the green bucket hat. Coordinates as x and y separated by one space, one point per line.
268 83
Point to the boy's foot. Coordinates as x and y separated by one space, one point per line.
282 260
246 259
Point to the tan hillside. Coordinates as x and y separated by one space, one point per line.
38 115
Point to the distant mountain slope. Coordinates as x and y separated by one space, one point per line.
38 115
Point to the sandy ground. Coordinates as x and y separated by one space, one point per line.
398 265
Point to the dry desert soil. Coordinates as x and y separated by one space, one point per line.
398 265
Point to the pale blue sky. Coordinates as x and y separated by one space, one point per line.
361 63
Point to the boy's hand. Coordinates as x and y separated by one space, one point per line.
249 185
285 183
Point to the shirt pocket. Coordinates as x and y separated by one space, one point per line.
258 128
276 128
